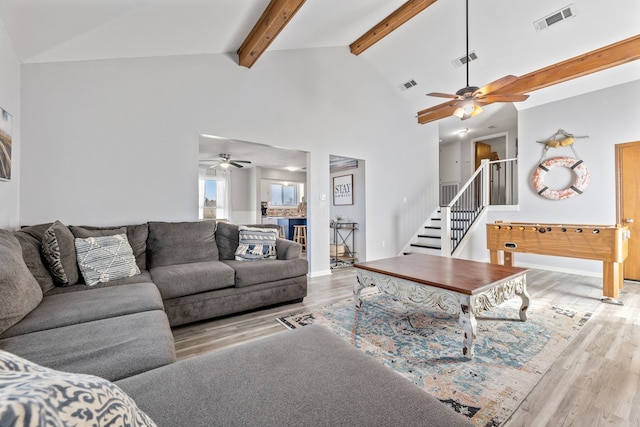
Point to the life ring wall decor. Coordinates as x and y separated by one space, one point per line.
578 186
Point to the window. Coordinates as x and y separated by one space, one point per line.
284 195
210 197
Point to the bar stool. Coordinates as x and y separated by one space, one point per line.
300 235
282 231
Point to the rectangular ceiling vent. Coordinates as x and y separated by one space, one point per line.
557 16
408 85
459 62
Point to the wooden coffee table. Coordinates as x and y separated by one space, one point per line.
457 286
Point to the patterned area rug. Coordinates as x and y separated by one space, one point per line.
425 346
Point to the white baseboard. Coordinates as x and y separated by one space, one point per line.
319 273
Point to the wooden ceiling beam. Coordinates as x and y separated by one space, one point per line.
615 54
609 56
274 18
389 24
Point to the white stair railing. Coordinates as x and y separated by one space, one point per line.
492 183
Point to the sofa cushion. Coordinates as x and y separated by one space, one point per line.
181 242
187 279
59 252
304 377
143 277
85 232
221 302
111 348
256 243
33 258
137 235
227 238
264 271
56 399
56 311
19 291
106 258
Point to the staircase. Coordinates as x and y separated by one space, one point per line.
449 226
429 239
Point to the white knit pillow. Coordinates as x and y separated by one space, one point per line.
105 258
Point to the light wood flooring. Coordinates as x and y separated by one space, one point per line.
595 381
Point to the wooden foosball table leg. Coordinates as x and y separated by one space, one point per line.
612 277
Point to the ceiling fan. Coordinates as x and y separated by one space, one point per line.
224 161
468 101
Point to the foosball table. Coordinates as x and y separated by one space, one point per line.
606 243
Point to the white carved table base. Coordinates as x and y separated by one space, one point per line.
465 306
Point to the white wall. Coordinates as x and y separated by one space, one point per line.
10 102
243 208
608 117
116 141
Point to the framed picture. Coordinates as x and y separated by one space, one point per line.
5 145
343 190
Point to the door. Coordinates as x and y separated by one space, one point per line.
628 207
483 151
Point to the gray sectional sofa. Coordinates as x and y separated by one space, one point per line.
119 329
185 272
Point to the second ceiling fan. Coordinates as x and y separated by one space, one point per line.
225 160
468 101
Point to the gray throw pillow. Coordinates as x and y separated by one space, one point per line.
105 258
59 252
32 256
84 232
19 290
52 398
173 243
256 243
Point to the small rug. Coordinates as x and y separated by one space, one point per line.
425 346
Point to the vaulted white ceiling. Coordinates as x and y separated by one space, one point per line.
501 32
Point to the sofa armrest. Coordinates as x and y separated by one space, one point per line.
288 249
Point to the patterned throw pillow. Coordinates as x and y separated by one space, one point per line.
59 253
31 394
256 243
105 258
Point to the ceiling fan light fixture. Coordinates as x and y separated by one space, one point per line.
466 110
224 165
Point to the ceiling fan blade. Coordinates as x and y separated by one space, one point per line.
490 99
443 95
235 164
429 110
438 112
241 161
495 85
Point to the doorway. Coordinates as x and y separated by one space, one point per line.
627 200
347 211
